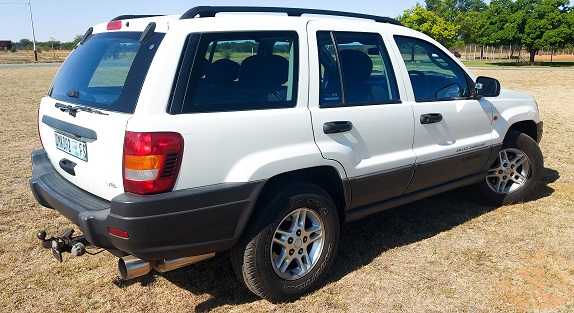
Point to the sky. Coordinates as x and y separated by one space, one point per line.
62 20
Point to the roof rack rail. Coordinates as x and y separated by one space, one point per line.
131 17
210 11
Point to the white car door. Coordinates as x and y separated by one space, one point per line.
359 116
453 131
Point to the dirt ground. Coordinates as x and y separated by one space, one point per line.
546 57
442 254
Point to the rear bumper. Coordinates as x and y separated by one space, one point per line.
164 226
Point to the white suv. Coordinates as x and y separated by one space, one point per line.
167 139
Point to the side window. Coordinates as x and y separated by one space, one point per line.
359 63
433 74
243 71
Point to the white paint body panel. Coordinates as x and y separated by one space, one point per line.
102 174
257 145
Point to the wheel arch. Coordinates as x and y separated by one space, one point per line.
527 127
325 177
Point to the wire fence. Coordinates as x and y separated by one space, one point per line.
506 53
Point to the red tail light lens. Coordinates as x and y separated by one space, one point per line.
151 161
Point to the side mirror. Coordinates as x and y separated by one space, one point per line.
487 87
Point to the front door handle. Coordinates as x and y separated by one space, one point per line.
431 118
337 127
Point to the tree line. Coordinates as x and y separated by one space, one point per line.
27 44
529 24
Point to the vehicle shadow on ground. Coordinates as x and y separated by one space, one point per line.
414 222
360 243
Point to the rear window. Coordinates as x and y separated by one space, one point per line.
106 72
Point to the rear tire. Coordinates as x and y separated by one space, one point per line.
290 243
514 174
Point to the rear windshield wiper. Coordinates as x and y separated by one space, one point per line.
73 94
73 110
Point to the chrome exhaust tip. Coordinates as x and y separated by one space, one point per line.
132 267
169 265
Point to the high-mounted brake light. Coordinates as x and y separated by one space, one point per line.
114 25
151 161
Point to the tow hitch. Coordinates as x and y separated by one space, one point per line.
64 242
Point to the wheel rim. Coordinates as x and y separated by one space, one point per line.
297 244
510 172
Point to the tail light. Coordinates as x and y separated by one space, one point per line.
151 161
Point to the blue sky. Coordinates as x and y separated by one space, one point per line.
64 19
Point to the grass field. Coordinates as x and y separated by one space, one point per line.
25 56
442 254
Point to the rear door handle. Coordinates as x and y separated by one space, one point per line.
431 118
337 127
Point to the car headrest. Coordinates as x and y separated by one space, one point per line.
222 71
264 71
357 66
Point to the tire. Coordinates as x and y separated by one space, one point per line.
280 259
514 174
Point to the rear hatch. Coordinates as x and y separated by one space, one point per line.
82 120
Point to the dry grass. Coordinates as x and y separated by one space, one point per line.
27 56
442 254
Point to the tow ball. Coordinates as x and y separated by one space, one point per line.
64 242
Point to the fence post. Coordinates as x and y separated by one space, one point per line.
474 55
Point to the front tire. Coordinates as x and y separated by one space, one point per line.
289 245
514 174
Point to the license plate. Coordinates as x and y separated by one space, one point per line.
72 146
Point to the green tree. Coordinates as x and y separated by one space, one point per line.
72 44
25 44
451 10
502 24
471 24
547 23
534 24
419 18
465 13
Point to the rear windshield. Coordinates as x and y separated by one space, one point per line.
106 72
